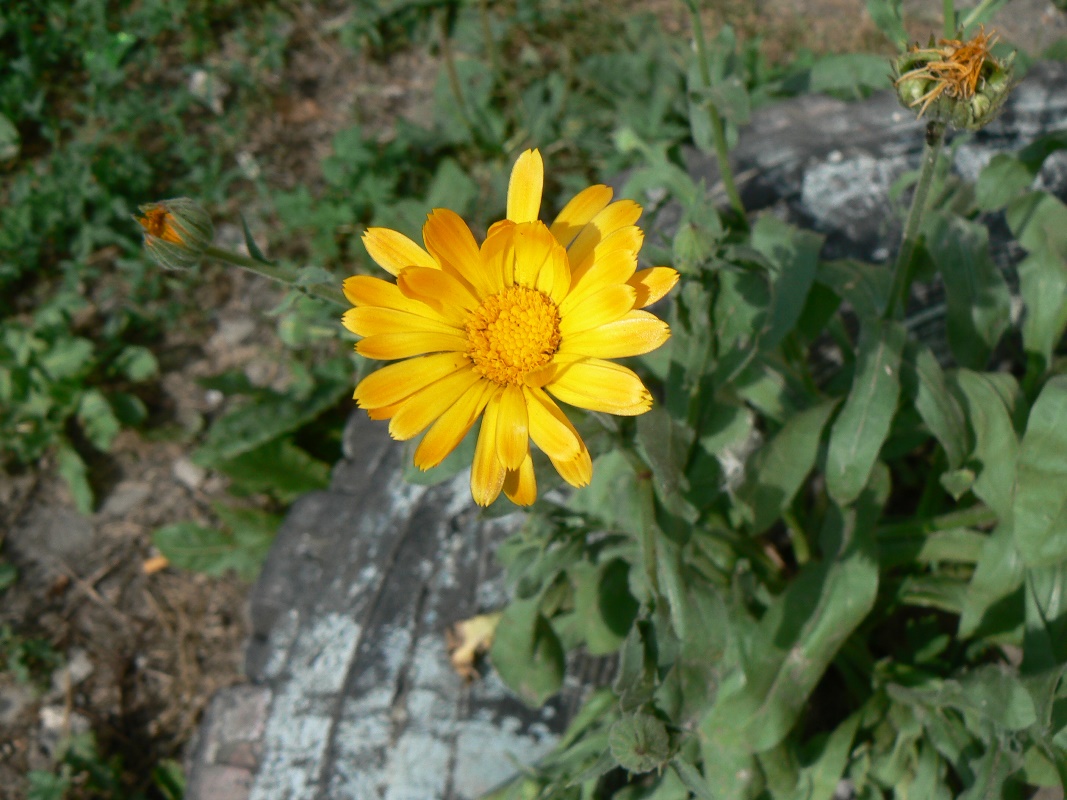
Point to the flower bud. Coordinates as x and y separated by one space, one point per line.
954 82
177 232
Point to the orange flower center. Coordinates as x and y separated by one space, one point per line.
513 333
158 222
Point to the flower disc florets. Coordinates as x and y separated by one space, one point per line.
954 82
513 333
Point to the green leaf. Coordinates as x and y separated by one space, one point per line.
1039 510
795 254
864 286
888 16
664 444
850 75
250 243
693 780
819 780
1043 286
995 442
43 785
635 679
979 303
241 548
789 648
779 467
861 428
10 143
925 382
639 743
8 575
1000 181
527 653
136 363
279 467
1039 222
73 470
993 604
97 420
67 358
268 417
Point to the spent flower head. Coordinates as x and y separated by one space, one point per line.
503 329
954 82
177 232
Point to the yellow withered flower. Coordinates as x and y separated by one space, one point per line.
504 329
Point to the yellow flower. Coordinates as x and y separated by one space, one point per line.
498 330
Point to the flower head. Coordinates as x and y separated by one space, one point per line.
177 232
503 329
955 82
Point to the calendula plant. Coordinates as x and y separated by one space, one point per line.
821 583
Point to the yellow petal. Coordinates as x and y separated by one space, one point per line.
391 346
363 290
393 251
525 186
512 428
628 239
487 473
520 485
549 427
554 279
652 284
533 245
637 333
610 269
438 290
452 425
578 471
582 207
620 214
396 382
429 403
498 259
608 305
372 321
451 242
385 412
601 386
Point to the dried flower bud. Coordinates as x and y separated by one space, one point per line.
954 82
177 232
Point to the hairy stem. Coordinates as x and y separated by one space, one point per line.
276 273
898 297
948 8
717 131
974 517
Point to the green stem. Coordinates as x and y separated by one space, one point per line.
977 516
718 133
279 274
898 297
648 533
948 8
